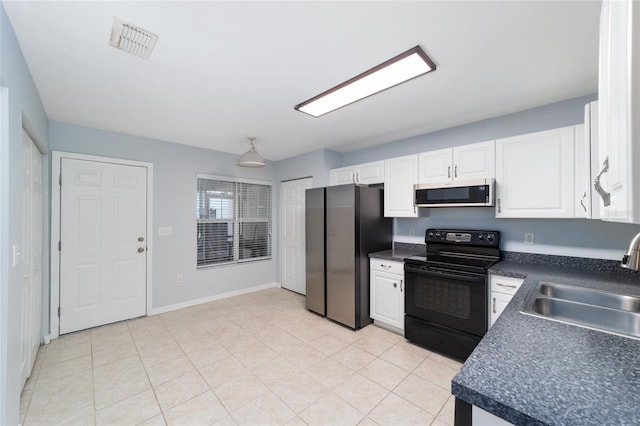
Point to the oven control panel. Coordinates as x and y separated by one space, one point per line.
475 238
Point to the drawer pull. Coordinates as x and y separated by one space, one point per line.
507 285
395 285
385 266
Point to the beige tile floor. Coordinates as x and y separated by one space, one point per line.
259 358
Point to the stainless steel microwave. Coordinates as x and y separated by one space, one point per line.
470 193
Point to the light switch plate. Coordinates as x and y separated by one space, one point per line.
164 231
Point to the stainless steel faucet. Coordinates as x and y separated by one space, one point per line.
631 260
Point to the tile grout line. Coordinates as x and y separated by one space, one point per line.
147 375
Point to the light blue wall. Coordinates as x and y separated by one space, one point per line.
174 187
21 107
560 114
579 237
564 237
314 164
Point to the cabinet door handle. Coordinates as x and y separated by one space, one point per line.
395 285
499 206
582 199
449 172
400 286
606 197
506 285
455 171
494 305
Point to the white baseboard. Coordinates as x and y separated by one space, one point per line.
208 299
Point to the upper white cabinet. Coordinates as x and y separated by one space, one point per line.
618 179
400 174
582 168
473 161
586 200
535 174
435 166
366 174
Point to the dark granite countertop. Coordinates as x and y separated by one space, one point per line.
399 252
533 371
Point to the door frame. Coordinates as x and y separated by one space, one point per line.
282 224
56 163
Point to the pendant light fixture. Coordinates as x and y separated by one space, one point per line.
250 158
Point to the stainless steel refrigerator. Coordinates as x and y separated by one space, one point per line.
343 224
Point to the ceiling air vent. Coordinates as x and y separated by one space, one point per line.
132 39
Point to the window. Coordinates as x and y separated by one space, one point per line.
233 220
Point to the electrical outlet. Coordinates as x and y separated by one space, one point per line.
529 238
412 232
179 278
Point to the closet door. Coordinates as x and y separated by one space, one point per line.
31 256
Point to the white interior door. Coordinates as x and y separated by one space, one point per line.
103 243
25 328
36 252
293 247
31 255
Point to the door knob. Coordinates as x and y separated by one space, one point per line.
140 249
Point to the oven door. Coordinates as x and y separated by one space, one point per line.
450 298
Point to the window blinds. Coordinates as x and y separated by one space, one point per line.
233 221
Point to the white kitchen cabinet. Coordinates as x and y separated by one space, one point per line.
400 174
582 168
473 161
619 111
502 291
480 417
366 174
535 175
586 201
387 293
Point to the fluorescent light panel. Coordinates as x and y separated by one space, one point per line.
407 65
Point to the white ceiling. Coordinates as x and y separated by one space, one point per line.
222 71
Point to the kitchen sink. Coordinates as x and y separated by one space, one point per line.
583 307
600 298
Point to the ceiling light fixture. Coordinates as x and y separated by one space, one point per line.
132 39
250 158
407 65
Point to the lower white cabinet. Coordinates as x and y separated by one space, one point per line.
387 292
502 291
480 417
